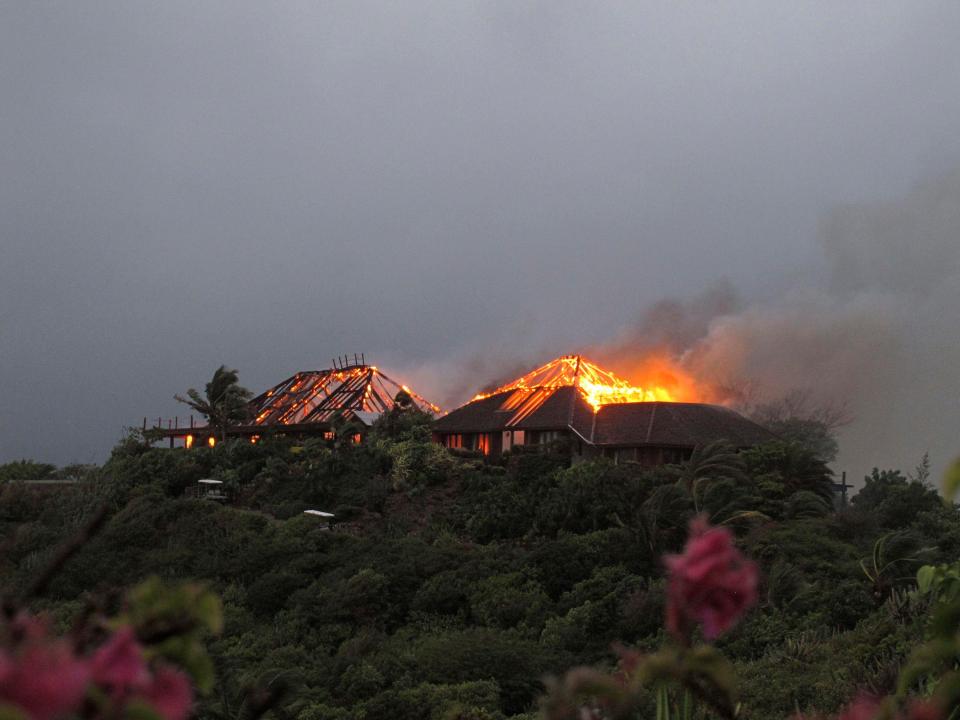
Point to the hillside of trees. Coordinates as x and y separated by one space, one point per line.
449 587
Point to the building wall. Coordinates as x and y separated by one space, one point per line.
495 443
489 444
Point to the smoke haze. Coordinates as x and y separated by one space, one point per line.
878 333
875 333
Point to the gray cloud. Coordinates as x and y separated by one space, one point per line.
268 186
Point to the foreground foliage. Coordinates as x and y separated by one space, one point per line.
450 588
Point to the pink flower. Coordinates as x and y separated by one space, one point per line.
170 694
45 679
711 582
864 707
118 664
924 710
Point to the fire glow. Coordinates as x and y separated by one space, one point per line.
601 387
317 396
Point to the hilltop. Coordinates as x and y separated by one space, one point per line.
450 586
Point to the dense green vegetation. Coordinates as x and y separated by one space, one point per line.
450 587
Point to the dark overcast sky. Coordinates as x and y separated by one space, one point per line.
266 185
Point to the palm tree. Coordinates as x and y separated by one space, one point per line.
894 561
224 402
710 463
663 513
807 504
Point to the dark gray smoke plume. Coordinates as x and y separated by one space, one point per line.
874 336
878 334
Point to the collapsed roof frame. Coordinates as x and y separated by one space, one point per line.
317 396
308 402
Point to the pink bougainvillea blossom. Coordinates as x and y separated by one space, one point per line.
865 707
924 710
169 693
118 664
711 583
44 678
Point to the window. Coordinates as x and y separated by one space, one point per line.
483 443
453 441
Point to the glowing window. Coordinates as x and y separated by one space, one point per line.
483 443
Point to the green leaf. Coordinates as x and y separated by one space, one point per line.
925 660
951 482
138 709
947 692
191 655
925 576
11 712
209 611
663 666
187 608
946 619
708 662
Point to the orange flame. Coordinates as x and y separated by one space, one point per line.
672 383
663 381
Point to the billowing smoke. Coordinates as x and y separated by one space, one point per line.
875 336
453 381
878 333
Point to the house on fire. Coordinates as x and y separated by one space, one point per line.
596 413
309 402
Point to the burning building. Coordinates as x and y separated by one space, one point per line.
596 413
309 402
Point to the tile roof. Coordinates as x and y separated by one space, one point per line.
555 397
536 409
675 424
622 424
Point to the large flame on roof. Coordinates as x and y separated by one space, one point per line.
600 387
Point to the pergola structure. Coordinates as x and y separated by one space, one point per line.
308 403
